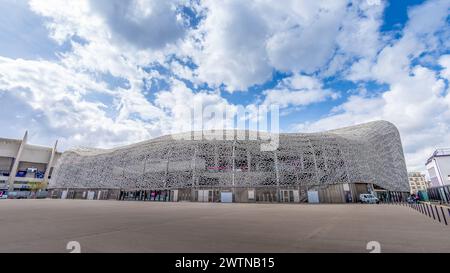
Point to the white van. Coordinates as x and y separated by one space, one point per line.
368 198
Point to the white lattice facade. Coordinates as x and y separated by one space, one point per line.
368 153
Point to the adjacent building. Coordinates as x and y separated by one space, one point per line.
331 167
417 182
438 167
23 164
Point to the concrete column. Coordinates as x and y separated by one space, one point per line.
49 164
347 173
301 160
13 172
194 165
167 169
324 155
249 160
277 175
315 162
233 166
216 156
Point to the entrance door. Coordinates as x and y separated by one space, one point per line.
296 197
90 195
175 196
203 195
287 196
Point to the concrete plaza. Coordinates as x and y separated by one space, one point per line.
114 226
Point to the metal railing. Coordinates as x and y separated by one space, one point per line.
438 213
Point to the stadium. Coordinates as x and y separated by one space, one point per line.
327 167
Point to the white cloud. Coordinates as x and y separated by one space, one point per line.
61 97
306 39
298 90
359 38
444 61
357 109
238 43
143 23
68 18
241 42
187 110
231 47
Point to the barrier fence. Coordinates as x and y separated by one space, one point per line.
438 213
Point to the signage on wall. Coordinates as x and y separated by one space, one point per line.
226 197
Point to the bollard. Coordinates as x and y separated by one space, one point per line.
426 213
431 207
443 216
421 208
437 213
428 209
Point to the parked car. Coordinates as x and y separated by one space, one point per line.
41 194
3 195
368 198
18 195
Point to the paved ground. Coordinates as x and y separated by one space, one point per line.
113 226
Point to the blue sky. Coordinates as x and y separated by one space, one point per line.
102 74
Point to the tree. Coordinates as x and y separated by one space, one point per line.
36 186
